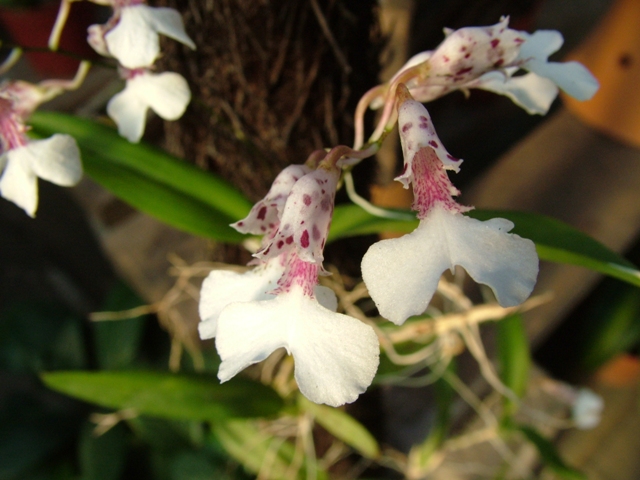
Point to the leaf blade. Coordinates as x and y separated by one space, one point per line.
145 159
166 395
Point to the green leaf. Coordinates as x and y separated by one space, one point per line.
555 241
420 455
102 457
550 456
166 395
105 143
261 452
514 357
342 426
351 220
160 200
117 341
610 324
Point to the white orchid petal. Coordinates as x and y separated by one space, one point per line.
133 42
55 159
248 332
572 77
95 38
469 52
129 112
540 44
335 356
222 287
402 274
533 93
166 93
587 409
168 22
18 183
326 297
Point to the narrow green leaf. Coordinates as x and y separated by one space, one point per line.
555 241
166 395
421 454
550 456
274 458
117 342
105 143
610 324
342 426
171 206
514 357
351 220
103 457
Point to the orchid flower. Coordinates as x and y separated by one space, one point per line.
402 273
279 304
131 34
165 93
486 58
474 57
22 161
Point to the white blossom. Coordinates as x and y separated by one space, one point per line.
22 161
167 94
402 273
279 303
490 58
131 34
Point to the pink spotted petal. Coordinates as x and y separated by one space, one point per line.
467 53
265 215
306 217
416 133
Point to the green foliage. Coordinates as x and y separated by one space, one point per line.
550 456
610 326
102 457
514 357
151 180
342 426
167 395
421 454
118 341
261 452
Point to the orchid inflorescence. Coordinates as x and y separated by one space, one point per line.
131 37
279 302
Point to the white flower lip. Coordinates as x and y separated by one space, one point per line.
134 42
336 356
402 273
55 159
167 94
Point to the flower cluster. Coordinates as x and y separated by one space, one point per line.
22 161
279 304
131 37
